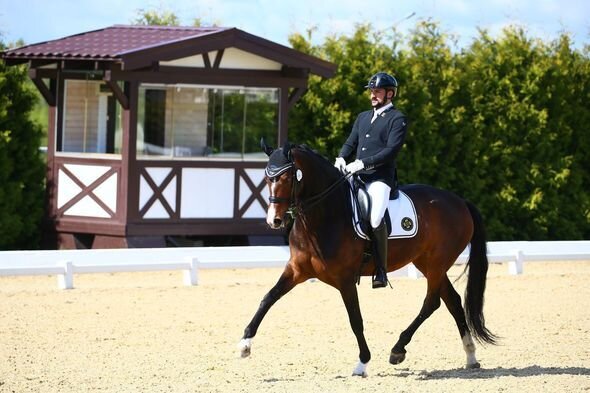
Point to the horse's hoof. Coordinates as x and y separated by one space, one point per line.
245 347
474 365
360 370
396 358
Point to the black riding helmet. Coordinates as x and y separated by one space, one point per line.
382 80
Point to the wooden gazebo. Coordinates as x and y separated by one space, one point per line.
153 131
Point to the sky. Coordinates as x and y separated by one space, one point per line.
43 20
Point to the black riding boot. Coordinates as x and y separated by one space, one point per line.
380 255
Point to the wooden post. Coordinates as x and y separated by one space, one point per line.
128 197
283 114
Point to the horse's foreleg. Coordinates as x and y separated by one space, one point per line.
431 303
285 283
453 302
351 301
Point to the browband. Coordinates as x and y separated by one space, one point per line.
274 171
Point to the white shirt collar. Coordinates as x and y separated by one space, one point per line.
383 108
377 112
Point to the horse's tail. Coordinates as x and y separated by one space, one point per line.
476 280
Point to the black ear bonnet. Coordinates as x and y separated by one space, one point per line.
279 161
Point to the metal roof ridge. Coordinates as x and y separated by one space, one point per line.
161 27
174 40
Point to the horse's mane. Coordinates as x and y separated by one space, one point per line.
320 159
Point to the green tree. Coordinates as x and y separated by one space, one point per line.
21 164
324 116
525 104
159 17
562 157
504 122
428 87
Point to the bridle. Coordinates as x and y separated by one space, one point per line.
274 174
299 207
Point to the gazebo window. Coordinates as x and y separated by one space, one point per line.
92 118
205 121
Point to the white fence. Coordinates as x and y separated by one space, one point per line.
518 252
66 263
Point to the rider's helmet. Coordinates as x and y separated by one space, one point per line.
384 81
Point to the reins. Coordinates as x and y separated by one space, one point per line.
309 202
297 207
314 200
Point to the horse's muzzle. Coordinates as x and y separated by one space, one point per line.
273 219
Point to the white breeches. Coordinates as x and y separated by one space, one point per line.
379 194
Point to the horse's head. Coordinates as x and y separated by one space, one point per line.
296 176
281 176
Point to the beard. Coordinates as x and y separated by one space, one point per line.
377 104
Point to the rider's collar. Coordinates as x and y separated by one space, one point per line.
383 109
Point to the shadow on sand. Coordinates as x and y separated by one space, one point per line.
483 373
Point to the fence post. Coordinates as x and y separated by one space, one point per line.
516 267
191 275
412 271
66 280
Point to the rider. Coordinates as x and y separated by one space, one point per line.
376 138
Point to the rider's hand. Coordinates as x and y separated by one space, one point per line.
340 164
355 166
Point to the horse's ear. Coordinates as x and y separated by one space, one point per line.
265 148
287 149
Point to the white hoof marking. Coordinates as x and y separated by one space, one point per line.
360 370
469 348
245 347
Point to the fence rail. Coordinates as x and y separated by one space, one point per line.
65 263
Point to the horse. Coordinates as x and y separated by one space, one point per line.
308 194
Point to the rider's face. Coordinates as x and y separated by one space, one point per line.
378 97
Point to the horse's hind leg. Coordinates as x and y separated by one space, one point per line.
431 303
453 302
286 282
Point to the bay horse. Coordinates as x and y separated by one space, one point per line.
323 245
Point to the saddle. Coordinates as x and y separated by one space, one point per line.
400 216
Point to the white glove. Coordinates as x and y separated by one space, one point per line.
340 164
355 166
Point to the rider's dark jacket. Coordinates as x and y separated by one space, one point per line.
377 144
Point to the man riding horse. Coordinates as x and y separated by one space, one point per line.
377 136
324 245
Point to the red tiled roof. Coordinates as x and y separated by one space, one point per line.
110 42
139 46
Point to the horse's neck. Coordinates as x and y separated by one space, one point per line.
326 220
322 238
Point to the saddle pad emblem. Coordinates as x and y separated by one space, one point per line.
407 224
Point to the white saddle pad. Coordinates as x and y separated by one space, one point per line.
402 215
